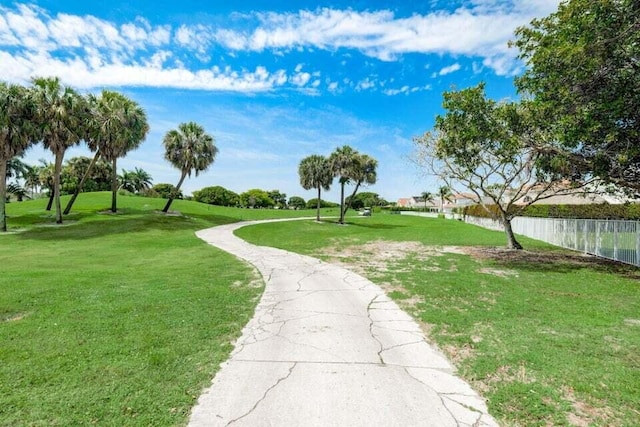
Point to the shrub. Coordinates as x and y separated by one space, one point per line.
297 202
164 190
256 198
313 203
629 211
216 195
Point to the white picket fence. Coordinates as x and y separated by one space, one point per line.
612 239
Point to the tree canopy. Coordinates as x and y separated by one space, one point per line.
216 195
190 149
493 150
583 74
315 172
61 116
16 133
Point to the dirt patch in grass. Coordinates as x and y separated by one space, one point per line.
14 317
550 260
583 414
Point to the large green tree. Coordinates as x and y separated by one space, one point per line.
256 198
583 73
190 149
62 115
16 133
216 195
94 176
315 172
492 149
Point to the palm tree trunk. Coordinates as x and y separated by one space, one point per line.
341 203
67 209
352 196
50 203
56 185
173 193
318 206
114 187
3 195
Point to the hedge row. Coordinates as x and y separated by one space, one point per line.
629 211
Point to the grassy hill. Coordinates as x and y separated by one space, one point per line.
116 319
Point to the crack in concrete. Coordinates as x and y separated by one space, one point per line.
437 393
402 345
371 326
264 396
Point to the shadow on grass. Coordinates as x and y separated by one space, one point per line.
91 225
364 223
554 261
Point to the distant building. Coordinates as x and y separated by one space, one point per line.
417 202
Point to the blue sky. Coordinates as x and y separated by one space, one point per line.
273 82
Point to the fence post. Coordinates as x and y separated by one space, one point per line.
615 240
637 244
596 246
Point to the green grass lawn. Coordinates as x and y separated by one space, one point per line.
116 319
547 336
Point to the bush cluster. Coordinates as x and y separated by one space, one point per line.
629 211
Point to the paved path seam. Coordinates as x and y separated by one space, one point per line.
327 347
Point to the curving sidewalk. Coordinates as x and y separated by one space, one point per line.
327 347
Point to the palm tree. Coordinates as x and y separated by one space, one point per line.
426 197
16 133
315 172
61 115
188 148
141 180
46 179
119 126
16 168
18 191
342 165
32 179
444 192
126 181
363 172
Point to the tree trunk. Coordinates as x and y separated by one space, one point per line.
173 194
56 185
512 243
341 203
67 209
352 196
50 203
318 206
114 186
3 195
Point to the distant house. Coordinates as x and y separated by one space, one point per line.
572 197
417 202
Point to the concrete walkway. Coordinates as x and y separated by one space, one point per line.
327 347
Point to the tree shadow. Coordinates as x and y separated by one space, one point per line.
364 223
554 261
125 222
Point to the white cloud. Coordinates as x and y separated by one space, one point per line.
300 79
78 73
365 84
449 69
481 29
88 51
